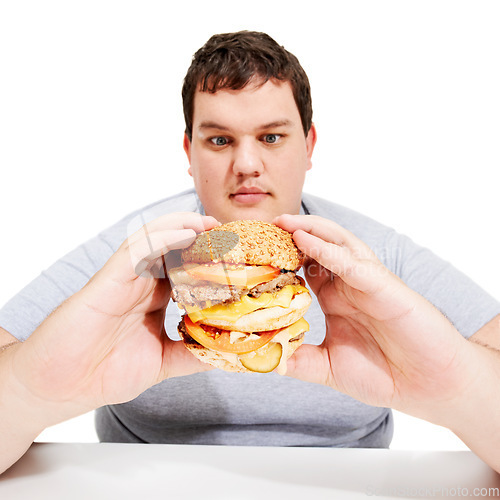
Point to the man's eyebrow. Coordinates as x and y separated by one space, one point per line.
215 125
278 123
218 126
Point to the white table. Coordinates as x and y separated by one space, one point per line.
126 471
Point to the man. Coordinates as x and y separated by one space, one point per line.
249 140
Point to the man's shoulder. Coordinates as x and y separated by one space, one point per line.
364 227
186 201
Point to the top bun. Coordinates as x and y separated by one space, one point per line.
250 242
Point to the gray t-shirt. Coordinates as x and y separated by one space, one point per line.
217 407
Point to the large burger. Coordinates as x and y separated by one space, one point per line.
243 301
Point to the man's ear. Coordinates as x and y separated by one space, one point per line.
310 143
186 143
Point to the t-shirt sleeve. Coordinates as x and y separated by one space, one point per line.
21 315
460 299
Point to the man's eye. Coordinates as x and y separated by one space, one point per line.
219 141
272 138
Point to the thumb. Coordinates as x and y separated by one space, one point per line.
311 363
178 361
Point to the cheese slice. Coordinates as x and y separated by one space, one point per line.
268 358
284 337
247 304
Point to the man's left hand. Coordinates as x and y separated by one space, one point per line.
385 344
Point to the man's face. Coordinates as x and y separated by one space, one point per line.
248 155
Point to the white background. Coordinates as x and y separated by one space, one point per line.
406 104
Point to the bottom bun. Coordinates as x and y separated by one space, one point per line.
227 361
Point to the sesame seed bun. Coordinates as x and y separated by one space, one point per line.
250 242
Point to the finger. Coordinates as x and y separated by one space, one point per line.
311 364
178 361
361 274
315 274
184 220
146 254
178 220
148 246
325 229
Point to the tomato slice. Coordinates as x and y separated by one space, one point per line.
220 340
226 274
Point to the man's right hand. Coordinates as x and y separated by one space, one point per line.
107 343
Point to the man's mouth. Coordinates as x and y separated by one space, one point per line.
248 196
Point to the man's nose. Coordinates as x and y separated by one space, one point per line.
247 159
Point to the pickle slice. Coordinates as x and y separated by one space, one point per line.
263 361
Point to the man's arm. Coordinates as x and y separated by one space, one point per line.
21 418
106 344
478 414
6 339
386 345
489 334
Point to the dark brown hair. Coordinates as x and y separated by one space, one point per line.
231 60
